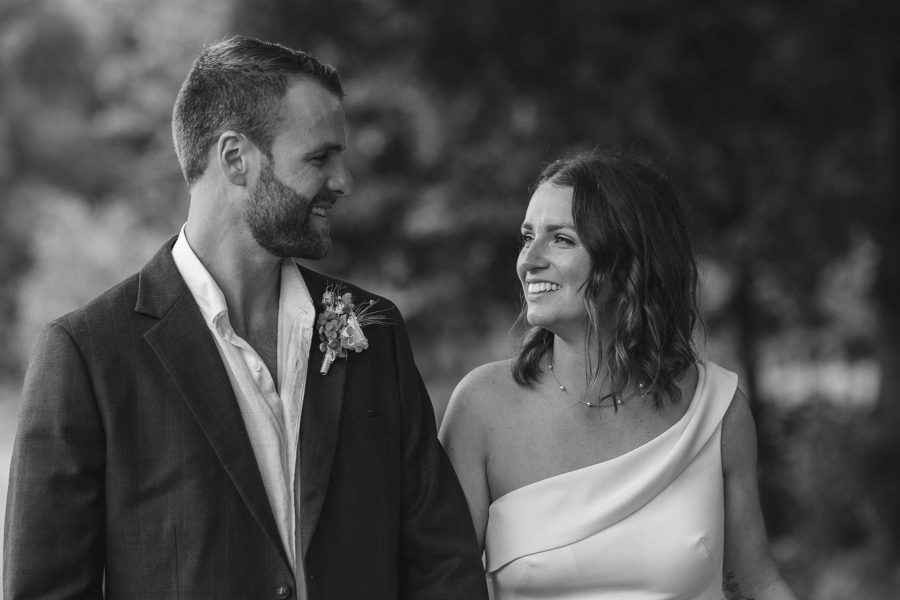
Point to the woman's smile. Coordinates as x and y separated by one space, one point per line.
541 287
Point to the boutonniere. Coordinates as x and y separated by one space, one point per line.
341 325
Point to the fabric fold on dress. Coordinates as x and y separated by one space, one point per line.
565 509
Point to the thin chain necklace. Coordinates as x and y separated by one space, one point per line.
616 402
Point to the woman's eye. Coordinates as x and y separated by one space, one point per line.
525 239
561 239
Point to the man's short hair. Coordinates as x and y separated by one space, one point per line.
238 84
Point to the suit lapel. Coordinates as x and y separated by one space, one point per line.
320 423
183 343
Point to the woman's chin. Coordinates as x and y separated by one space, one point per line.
536 319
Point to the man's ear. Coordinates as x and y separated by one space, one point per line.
236 157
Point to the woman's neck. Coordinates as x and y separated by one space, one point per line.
575 364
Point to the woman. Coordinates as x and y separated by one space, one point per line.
605 460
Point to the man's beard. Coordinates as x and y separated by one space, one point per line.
278 218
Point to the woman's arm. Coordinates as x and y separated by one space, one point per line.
750 573
462 435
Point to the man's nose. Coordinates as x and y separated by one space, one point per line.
340 180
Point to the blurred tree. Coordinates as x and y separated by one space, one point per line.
36 80
87 97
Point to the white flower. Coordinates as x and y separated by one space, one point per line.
352 336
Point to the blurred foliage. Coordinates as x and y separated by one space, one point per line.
777 123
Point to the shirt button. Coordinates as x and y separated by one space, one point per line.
282 591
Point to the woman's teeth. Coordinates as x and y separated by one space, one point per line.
542 286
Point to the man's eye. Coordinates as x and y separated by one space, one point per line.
525 239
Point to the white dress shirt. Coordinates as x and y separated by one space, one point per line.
272 417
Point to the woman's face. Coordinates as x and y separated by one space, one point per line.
553 265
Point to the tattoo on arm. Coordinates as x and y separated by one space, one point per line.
732 589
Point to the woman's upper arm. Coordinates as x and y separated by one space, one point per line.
462 435
749 569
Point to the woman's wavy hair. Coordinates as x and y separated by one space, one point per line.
630 223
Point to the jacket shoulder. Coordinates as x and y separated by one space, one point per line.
112 305
148 292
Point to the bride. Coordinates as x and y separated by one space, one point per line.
605 460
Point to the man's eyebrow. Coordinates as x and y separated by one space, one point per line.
325 148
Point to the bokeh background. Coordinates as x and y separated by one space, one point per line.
776 121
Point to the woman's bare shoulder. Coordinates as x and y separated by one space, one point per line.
481 392
487 379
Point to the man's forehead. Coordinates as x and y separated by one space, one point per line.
304 92
312 110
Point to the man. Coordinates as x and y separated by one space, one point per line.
178 437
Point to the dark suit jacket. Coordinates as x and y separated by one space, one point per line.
133 475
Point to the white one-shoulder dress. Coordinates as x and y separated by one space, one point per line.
646 525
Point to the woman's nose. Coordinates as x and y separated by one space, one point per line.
533 257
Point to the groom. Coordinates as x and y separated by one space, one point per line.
178 438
